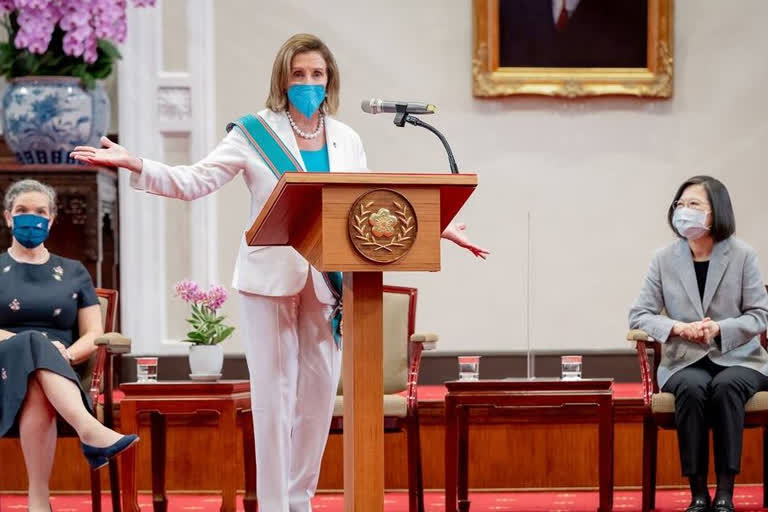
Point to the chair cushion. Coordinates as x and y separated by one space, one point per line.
117 397
665 402
104 303
395 308
662 403
394 405
85 369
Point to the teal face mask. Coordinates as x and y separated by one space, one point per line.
30 230
306 98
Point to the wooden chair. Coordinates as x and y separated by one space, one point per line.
660 413
402 360
97 378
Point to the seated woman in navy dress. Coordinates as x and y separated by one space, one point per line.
49 319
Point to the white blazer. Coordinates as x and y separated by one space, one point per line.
270 271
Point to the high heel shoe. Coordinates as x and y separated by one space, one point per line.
99 457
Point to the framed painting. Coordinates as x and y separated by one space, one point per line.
573 48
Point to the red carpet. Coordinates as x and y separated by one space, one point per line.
747 499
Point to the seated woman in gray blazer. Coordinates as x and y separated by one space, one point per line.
710 287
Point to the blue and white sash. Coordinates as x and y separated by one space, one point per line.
279 160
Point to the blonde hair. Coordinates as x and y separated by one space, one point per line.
277 101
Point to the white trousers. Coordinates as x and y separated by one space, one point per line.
294 370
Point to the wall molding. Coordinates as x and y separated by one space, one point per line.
154 103
203 232
142 217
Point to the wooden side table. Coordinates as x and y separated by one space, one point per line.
159 399
529 397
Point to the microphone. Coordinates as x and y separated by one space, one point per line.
403 111
378 106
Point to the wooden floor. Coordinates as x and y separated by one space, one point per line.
505 453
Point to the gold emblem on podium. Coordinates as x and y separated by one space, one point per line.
382 226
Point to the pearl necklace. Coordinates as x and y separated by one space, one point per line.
302 134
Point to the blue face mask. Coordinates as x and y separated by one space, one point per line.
306 98
30 230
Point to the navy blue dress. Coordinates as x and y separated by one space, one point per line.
40 303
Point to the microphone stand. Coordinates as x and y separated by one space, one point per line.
403 117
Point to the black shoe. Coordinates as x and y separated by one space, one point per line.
99 457
722 505
699 505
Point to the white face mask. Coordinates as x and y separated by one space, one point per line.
690 223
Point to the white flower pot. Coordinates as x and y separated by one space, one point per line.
206 359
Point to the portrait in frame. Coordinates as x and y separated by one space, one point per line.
573 48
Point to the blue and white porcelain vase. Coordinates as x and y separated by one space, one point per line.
45 117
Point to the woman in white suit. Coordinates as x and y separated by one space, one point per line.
286 305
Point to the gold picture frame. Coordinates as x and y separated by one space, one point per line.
489 79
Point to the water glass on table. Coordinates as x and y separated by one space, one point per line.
570 367
146 369
469 367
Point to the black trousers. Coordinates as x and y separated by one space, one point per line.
708 395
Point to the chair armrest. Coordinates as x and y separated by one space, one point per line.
643 342
638 335
109 345
114 342
419 343
427 340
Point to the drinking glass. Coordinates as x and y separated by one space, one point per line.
146 369
570 367
469 367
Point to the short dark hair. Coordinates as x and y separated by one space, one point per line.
723 219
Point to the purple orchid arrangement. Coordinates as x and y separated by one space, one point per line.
207 325
63 37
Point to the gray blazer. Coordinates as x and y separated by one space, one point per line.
734 297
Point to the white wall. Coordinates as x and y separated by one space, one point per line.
596 175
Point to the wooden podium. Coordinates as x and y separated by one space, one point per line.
363 224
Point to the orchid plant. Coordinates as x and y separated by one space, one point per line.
63 37
207 325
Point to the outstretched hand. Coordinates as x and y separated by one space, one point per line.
455 233
111 154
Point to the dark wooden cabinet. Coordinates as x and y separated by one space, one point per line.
86 226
